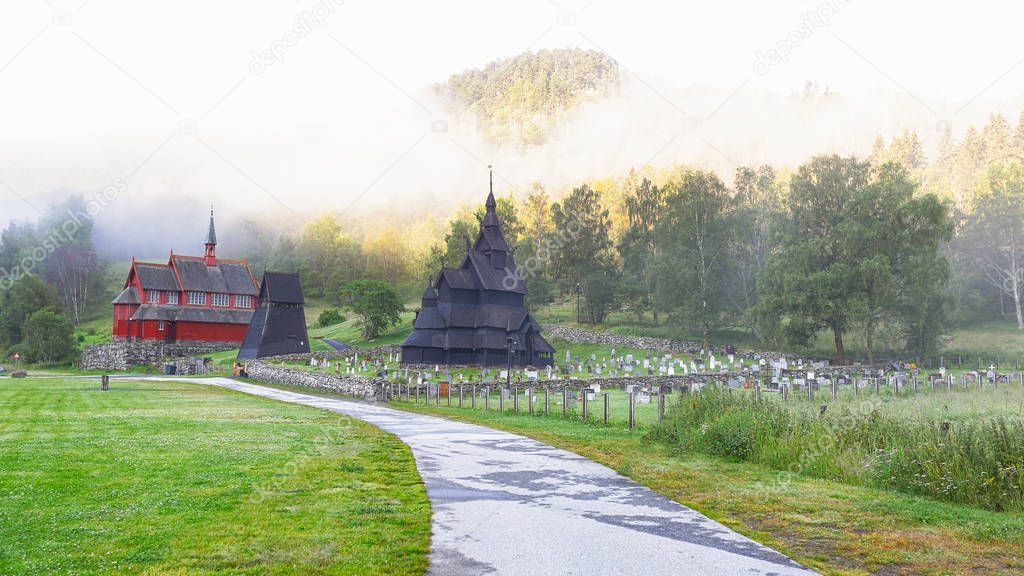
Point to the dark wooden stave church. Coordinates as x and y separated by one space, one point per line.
278 325
474 310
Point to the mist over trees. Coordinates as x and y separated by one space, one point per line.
51 279
892 250
517 100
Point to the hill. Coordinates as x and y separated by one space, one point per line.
518 100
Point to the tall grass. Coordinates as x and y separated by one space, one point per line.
977 461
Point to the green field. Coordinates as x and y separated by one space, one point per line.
176 478
833 527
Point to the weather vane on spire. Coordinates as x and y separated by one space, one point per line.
490 169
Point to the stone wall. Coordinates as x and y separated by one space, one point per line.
122 354
581 336
358 386
375 352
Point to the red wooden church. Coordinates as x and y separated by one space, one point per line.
189 299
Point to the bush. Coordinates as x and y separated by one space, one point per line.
976 462
730 435
330 317
48 337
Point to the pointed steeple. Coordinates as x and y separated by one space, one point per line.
490 203
211 234
491 217
429 294
211 243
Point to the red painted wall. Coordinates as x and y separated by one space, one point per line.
211 332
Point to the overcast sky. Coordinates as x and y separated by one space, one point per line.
181 99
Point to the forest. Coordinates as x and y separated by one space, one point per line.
893 248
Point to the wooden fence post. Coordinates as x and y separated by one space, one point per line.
632 412
529 399
583 392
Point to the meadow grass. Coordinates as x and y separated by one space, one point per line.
965 447
177 478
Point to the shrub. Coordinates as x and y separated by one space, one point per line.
330 317
48 336
978 462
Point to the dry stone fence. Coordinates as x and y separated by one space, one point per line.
357 386
123 354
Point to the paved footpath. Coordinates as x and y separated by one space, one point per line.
506 504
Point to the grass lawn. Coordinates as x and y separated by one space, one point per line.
349 333
832 527
178 478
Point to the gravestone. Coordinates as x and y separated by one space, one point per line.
570 400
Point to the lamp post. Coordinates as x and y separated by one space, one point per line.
577 302
510 341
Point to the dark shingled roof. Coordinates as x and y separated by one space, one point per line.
225 277
458 278
429 295
429 318
283 287
492 278
173 313
211 234
127 296
156 277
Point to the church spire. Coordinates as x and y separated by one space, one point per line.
429 294
211 242
490 203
